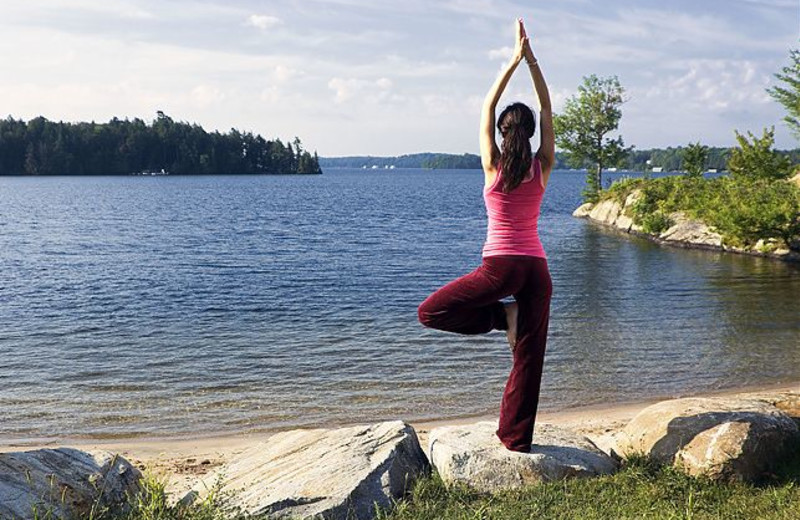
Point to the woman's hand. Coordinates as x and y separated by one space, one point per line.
521 42
527 52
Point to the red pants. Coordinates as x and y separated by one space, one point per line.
470 305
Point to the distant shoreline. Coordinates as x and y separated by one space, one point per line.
29 176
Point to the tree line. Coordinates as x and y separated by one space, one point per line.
669 159
418 160
125 147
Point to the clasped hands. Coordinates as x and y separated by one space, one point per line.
522 45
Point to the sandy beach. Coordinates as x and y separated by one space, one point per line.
181 461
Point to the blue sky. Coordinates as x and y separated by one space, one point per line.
391 77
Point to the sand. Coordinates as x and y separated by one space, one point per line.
181 461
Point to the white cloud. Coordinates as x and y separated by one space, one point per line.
348 88
503 53
205 95
714 84
263 21
394 75
284 73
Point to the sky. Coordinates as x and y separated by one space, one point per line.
375 77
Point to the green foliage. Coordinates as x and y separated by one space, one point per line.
418 160
447 161
152 503
694 159
757 159
655 223
742 209
789 94
582 130
670 159
42 147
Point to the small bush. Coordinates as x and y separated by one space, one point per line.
655 223
755 159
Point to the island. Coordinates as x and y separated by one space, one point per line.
134 147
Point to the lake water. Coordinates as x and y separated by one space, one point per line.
190 305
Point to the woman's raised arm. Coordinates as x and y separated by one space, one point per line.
489 151
547 148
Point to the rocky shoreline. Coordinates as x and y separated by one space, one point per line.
349 472
684 232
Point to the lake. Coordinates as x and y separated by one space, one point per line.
160 306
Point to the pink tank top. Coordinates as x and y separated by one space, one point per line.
513 217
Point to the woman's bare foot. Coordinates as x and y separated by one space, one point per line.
512 311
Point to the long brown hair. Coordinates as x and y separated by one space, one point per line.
517 125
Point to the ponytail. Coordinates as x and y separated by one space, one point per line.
517 125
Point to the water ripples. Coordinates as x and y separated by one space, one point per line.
168 306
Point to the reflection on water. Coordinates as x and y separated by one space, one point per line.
160 306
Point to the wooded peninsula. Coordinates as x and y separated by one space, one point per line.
125 147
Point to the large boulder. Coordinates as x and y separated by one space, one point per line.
606 211
583 210
624 221
472 454
722 438
334 474
684 229
64 483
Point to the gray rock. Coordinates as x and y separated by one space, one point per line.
722 438
472 454
606 211
690 231
63 482
632 198
333 474
624 222
583 210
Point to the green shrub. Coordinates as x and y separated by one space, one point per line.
655 223
693 160
743 209
757 159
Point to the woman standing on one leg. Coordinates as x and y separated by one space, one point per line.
514 261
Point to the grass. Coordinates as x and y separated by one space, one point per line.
152 503
640 490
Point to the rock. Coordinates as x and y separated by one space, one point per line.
606 211
722 438
790 405
583 210
691 231
624 222
63 482
632 198
472 454
341 473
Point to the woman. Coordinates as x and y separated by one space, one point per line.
514 261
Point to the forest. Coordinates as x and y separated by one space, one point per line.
130 147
